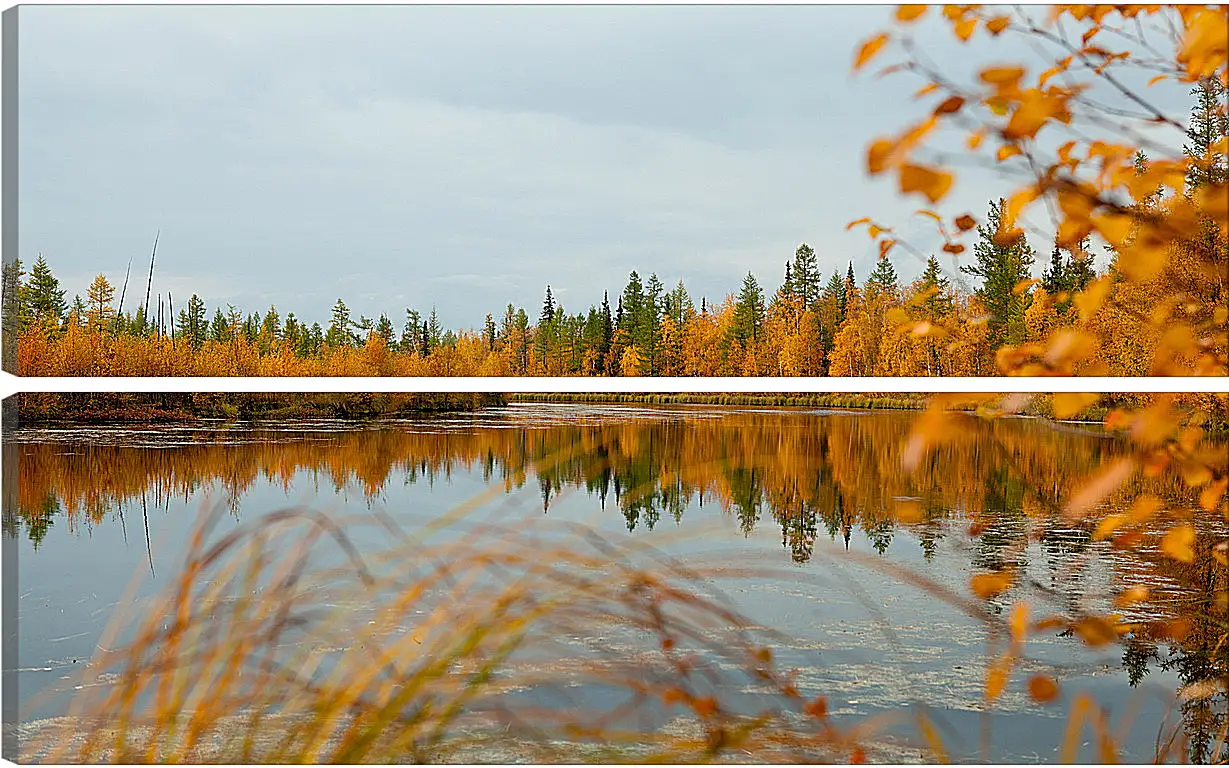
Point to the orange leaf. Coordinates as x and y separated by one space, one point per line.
884 247
877 155
868 50
1179 542
1006 151
966 222
965 28
997 24
953 248
856 222
987 585
1068 404
949 105
907 13
928 181
996 677
1042 688
1210 497
1101 485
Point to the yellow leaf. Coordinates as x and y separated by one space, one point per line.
1107 526
1130 596
987 585
907 13
973 141
1095 631
857 222
1209 498
1205 44
1042 689
1018 623
928 181
877 155
1068 404
996 677
1179 542
868 50
1006 151
1101 485
965 27
1089 300
1004 79
1156 80
928 88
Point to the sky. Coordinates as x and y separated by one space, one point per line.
457 156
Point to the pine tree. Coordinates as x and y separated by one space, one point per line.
15 315
1208 124
219 329
194 327
806 276
748 312
607 337
410 342
939 300
1055 279
489 329
882 280
384 331
1001 268
43 294
339 329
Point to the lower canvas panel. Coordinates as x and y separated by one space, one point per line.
502 578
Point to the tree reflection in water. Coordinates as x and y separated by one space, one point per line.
996 483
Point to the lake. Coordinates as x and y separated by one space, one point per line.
802 519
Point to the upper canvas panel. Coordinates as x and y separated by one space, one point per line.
617 190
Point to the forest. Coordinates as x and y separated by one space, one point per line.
822 320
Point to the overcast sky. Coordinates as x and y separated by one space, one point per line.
460 156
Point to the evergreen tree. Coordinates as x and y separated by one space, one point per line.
339 329
489 329
292 332
806 276
219 329
882 280
836 289
14 311
938 289
43 295
434 328
748 311
1208 124
1055 279
192 322
1001 268
410 341
384 331
603 348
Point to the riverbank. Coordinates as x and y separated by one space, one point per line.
172 407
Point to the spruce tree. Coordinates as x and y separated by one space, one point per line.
1001 268
43 294
1208 124
806 276
339 329
748 311
882 279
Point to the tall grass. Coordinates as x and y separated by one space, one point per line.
279 643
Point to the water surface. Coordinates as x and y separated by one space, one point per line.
818 493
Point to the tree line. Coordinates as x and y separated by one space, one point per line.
809 326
